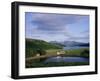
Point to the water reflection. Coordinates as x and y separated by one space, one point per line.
66 59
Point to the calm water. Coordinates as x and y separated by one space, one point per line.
75 47
66 59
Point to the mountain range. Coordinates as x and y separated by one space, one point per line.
70 43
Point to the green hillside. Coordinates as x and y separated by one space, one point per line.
33 45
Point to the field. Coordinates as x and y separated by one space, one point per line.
83 52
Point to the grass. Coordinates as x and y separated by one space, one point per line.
83 52
54 64
72 52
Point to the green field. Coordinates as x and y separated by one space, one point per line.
83 52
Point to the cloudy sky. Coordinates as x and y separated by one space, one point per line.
57 27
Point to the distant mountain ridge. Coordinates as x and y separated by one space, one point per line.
70 43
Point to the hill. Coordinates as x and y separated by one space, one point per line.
33 45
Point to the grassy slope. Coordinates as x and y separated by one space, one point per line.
32 45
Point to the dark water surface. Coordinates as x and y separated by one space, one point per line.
66 59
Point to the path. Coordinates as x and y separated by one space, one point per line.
42 56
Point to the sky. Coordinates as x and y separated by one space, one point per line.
57 27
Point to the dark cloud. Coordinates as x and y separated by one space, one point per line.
54 22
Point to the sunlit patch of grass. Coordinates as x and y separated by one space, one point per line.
83 52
